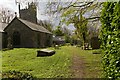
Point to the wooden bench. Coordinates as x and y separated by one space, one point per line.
45 52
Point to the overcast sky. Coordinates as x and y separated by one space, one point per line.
12 6
9 4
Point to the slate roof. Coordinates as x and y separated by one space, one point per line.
31 25
34 26
58 38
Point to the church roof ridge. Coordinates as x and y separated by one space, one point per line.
29 24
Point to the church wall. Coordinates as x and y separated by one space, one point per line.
26 34
28 37
0 40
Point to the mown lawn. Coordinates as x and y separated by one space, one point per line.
58 65
25 60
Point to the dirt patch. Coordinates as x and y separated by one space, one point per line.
78 66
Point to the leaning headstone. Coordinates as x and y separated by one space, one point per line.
86 46
57 46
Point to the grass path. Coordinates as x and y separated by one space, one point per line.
78 66
85 64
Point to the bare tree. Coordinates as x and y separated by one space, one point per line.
6 15
78 13
46 24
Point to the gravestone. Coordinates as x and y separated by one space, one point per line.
95 44
45 52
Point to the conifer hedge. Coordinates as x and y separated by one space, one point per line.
110 39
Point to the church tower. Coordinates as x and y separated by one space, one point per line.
29 14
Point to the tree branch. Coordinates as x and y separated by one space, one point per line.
92 18
89 3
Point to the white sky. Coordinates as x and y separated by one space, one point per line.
8 4
12 6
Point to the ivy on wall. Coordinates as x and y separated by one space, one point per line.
110 38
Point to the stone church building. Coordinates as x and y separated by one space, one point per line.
24 32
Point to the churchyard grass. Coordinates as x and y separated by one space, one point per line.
23 59
58 65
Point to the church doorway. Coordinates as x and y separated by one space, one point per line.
16 39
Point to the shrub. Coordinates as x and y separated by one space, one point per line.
110 38
16 75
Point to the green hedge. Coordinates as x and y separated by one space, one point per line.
110 38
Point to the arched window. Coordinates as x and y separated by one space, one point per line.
16 38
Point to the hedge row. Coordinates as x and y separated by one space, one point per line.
110 38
